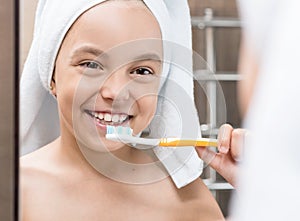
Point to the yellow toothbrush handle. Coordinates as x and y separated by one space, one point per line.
174 142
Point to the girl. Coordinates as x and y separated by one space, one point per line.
103 64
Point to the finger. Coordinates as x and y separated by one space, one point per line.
224 138
237 143
225 166
206 154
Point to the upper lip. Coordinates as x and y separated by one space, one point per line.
109 112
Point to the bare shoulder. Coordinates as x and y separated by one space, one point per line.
31 160
199 202
37 177
35 169
193 202
34 164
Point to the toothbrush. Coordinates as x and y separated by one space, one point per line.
124 135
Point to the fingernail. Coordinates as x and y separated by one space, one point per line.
223 149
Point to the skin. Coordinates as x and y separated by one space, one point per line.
57 183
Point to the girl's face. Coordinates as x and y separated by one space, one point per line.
107 72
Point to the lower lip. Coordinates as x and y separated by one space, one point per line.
98 124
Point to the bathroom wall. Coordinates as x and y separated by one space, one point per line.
227 41
8 126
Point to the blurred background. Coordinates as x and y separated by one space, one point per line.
216 37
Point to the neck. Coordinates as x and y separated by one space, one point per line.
121 162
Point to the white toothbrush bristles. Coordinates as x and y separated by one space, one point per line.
119 130
124 135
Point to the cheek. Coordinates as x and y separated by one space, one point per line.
146 108
66 89
65 103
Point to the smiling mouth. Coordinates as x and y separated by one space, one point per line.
109 118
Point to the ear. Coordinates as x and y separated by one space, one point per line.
53 86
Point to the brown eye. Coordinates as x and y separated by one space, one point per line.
142 71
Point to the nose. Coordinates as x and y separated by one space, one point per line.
115 87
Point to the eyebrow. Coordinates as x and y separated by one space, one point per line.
97 52
87 49
148 56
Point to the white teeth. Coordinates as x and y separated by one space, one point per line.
100 116
123 118
115 118
107 117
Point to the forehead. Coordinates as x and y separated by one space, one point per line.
113 23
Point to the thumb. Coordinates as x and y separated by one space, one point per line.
223 164
206 154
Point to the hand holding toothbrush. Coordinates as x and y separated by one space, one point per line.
229 143
230 147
